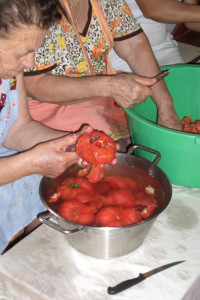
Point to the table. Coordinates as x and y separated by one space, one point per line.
44 266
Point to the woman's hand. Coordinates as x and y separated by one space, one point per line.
129 90
52 158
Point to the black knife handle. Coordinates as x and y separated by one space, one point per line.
125 285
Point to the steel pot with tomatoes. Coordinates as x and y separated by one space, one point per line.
101 240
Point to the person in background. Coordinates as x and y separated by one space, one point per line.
193 20
28 149
157 18
73 81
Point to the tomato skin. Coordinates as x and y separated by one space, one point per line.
111 216
98 149
72 186
77 212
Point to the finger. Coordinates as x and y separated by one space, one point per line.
114 161
68 141
145 80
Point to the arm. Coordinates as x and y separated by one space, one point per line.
193 26
138 54
25 132
170 11
46 158
66 91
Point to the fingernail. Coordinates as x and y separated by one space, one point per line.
73 136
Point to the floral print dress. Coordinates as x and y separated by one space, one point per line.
67 52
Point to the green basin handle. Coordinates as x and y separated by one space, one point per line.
44 218
133 147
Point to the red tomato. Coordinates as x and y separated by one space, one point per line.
146 204
85 197
122 197
72 186
147 211
186 120
96 173
77 212
97 148
102 187
111 216
189 126
117 182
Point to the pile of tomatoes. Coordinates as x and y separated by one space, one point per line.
111 202
189 126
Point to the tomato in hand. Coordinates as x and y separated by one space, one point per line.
77 212
98 149
72 186
111 216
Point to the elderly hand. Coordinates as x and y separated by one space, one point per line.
129 90
51 158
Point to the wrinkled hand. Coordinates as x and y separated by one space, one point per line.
51 159
129 90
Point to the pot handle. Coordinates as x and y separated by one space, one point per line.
44 218
133 147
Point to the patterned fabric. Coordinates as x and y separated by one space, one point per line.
19 201
8 112
85 54
62 45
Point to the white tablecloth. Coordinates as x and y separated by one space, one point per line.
44 266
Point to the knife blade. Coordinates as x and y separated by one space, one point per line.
142 276
160 76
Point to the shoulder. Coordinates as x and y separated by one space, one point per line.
119 17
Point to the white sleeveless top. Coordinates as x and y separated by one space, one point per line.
164 47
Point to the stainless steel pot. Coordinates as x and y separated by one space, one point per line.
110 242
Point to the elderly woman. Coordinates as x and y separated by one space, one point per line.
28 149
71 65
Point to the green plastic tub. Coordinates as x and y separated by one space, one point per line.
180 152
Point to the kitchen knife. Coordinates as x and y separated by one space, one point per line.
142 276
162 75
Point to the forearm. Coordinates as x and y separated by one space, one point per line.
66 90
30 134
170 11
142 61
15 167
192 26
